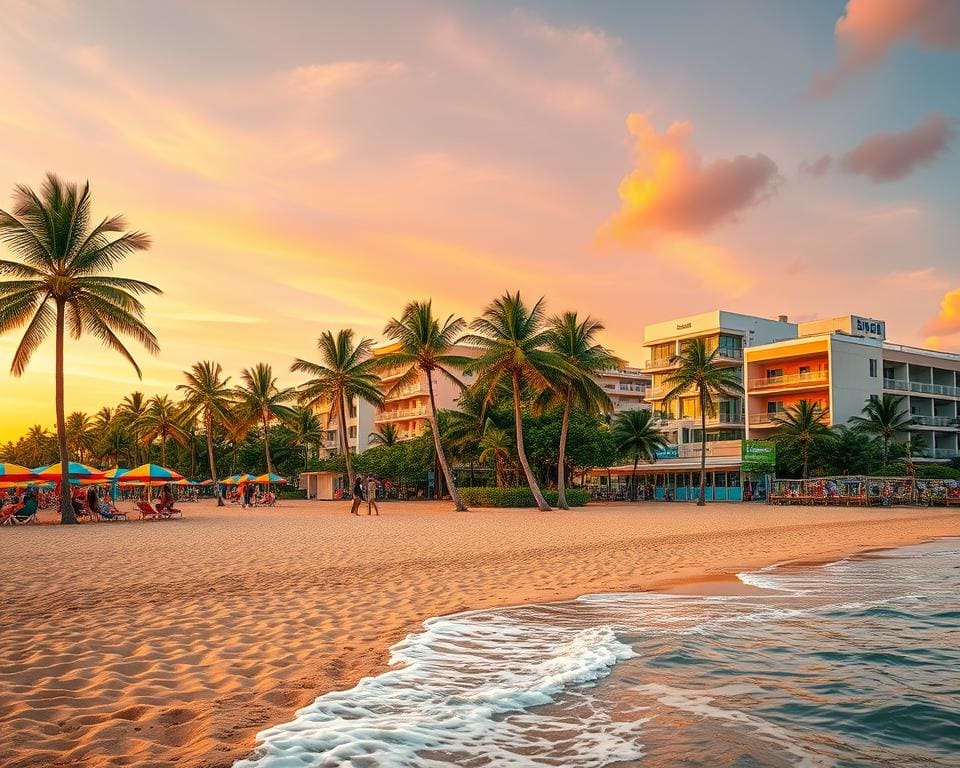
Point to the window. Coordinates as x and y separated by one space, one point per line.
774 373
873 368
804 369
775 406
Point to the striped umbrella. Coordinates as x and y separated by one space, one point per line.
13 473
75 471
152 474
237 479
116 473
270 478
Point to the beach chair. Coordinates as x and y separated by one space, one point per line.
147 511
110 513
170 513
6 513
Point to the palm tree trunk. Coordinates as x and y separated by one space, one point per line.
266 443
521 453
163 450
562 456
806 460
703 451
886 447
213 468
66 508
344 445
633 486
441 456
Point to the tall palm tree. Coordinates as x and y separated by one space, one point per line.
388 436
208 395
573 340
62 281
81 435
161 421
700 371
305 428
495 448
804 427
636 434
424 348
261 400
345 371
130 413
514 343
884 417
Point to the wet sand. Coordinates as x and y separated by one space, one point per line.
172 643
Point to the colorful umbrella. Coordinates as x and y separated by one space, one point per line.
75 471
270 478
205 482
152 474
116 473
12 473
237 479
184 482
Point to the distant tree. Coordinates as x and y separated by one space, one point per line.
162 421
81 435
496 449
207 395
803 427
388 436
260 400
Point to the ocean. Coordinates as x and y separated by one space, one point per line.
852 663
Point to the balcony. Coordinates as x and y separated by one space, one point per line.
937 453
730 354
901 385
935 421
401 413
733 419
808 379
765 419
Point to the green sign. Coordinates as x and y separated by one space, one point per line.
670 452
758 455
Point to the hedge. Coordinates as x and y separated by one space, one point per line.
518 497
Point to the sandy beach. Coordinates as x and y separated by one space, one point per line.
172 643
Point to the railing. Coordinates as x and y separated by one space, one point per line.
916 386
632 388
764 419
694 421
935 421
401 413
661 362
730 354
715 449
937 453
811 377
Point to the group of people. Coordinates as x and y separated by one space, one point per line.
364 489
18 509
89 503
247 495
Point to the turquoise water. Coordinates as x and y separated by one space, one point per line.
853 663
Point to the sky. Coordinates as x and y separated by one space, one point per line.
303 166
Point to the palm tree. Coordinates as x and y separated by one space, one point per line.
345 371
261 400
635 434
36 445
495 447
884 417
514 347
305 428
208 395
130 413
388 436
700 371
424 347
161 421
804 427
61 281
81 435
573 341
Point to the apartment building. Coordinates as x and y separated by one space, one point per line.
626 387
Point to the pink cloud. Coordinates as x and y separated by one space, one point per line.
816 167
672 191
947 320
868 30
891 156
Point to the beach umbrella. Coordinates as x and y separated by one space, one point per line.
184 482
116 473
152 474
205 482
270 478
237 479
12 473
75 471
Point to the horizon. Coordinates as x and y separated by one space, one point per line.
636 167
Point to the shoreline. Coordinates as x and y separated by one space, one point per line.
226 623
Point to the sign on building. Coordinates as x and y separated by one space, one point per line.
758 455
670 452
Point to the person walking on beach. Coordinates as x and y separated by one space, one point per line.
372 494
357 495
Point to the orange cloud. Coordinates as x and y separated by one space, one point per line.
947 320
672 191
868 30
892 156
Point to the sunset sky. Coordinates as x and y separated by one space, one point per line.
305 166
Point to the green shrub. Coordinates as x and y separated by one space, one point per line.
937 472
291 493
518 497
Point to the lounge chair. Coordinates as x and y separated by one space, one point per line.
147 511
22 514
108 512
169 513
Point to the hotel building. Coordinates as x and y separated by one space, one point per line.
838 362
626 387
